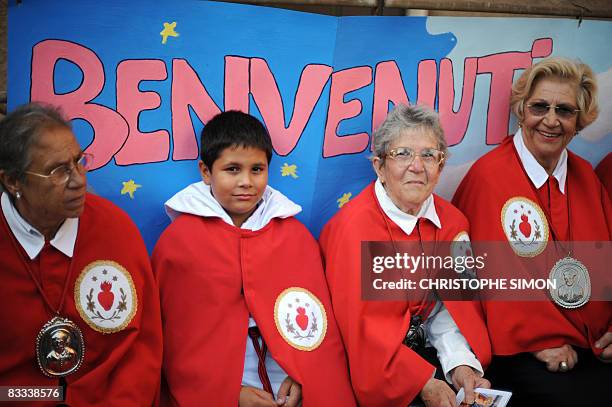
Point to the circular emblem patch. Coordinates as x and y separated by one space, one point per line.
300 318
461 247
105 296
525 226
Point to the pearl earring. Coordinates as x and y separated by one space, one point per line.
17 194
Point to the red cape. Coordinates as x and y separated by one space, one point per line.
384 372
211 276
604 172
514 327
119 369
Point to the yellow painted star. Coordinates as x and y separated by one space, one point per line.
289 170
129 187
168 31
344 199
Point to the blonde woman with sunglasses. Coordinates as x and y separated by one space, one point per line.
533 193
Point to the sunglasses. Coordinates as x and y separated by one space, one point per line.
542 109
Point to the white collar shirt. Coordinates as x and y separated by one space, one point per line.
31 239
406 221
537 174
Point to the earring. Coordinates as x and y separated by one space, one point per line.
17 194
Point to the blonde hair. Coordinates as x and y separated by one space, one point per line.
565 70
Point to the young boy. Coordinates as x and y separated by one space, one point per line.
247 317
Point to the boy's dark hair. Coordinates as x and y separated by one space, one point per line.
232 129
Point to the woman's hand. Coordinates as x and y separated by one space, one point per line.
289 393
254 397
559 359
605 343
464 376
437 393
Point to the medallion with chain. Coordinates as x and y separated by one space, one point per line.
59 347
572 285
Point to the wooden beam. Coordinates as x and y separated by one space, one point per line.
564 8
353 3
574 8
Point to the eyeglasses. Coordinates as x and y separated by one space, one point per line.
542 108
405 156
60 175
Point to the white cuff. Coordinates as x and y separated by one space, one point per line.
453 350
458 359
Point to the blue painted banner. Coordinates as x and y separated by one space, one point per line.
141 78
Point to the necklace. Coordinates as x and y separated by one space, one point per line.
415 337
572 285
60 348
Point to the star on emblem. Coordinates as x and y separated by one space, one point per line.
129 187
168 31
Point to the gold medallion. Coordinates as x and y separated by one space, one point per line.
60 348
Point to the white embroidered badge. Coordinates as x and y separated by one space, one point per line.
105 296
525 226
462 247
300 318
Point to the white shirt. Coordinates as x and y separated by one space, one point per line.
197 199
31 239
537 174
440 328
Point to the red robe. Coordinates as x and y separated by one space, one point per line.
516 326
384 372
211 276
604 172
120 368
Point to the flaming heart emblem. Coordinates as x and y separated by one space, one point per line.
301 318
106 296
524 226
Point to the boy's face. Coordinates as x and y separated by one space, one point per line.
238 179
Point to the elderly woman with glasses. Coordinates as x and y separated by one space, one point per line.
547 352
80 307
389 364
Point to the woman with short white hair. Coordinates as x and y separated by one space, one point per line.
392 345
